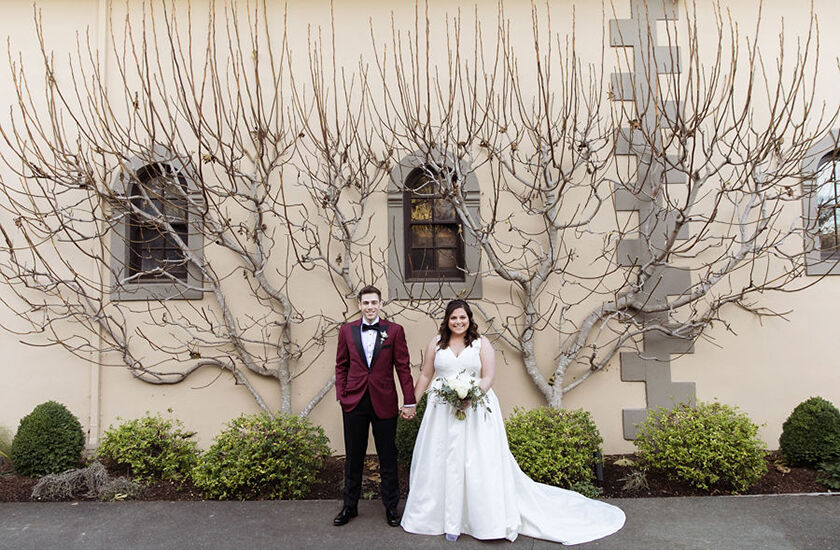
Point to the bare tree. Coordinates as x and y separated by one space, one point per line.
614 208
172 184
715 163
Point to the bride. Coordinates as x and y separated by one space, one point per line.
464 478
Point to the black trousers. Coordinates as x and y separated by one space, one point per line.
357 424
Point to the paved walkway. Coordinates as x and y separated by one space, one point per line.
743 523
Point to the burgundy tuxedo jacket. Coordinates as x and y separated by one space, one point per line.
353 377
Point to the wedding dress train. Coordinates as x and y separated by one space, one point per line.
464 479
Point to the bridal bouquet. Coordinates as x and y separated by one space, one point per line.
461 391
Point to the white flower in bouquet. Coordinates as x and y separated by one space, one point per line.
461 391
461 386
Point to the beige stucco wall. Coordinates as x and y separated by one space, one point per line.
766 369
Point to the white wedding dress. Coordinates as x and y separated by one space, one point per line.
464 479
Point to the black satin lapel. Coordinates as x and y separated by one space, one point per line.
356 331
378 346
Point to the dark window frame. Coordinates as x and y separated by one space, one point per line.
832 159
133 286
150 185
415 181
401 288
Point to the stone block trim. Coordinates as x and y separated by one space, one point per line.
651 365
653 368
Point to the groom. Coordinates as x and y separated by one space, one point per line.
369 350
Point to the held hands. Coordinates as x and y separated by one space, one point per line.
408 413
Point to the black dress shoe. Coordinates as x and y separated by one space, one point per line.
392 517
345 515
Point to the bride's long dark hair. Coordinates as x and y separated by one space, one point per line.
445 333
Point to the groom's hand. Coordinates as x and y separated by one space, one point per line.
408 412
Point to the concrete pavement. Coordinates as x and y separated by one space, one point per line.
744 523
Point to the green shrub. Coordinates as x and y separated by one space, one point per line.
5 443
262 456
710 446
150 448
407 433
554 446
49 440
811 434
587 489
830 475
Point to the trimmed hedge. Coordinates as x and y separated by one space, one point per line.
811 434
49 440
260 456
710 446
554 446
150 448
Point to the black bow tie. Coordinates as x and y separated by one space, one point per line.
374 326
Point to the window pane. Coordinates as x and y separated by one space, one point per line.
828 241
825 219
421 210
444 211
174 210
181 231
158 193
434 238
826 183
829 229
447 258
173 256
422 259
828 212
421 236
149 237
447 236
150 207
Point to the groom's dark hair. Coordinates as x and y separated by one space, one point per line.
369 289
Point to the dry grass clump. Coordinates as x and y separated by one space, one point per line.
91 482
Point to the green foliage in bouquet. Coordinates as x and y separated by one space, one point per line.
49 440
710 446
811 434
554 446
461 392
407 433
150 448
260 456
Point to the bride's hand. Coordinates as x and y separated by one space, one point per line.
465 405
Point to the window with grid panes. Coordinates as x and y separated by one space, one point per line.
159 215
433 241
828 206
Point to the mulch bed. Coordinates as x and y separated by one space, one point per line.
779 479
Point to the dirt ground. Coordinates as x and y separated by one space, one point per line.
779 479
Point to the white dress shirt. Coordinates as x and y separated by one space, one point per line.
369 340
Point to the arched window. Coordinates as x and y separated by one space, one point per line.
433 237
828 206
158 224
430 254
156 236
